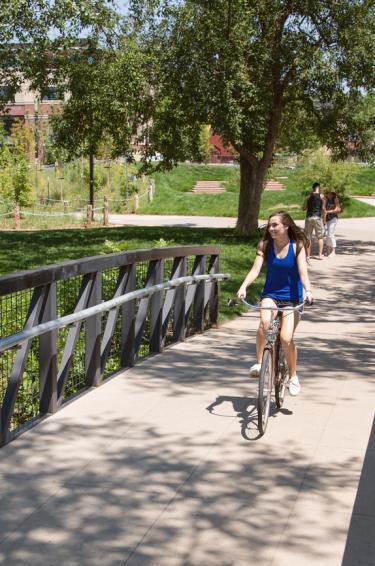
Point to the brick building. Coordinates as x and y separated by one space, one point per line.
219 152
33 110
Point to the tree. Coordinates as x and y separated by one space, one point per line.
336 176
105 88
5 169
15 182
250 69
32 31
72 46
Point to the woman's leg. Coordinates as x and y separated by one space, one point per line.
331 229
265 318
288 326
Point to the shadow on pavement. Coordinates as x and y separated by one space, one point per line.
160 484
360 544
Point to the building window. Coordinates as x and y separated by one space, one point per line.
50 93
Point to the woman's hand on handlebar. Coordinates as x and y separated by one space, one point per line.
309 297
241 293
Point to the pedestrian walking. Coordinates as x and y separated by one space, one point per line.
315 212
332 209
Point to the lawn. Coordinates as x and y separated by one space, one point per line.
21 250
174 196
24 250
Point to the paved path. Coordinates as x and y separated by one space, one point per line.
160 220
162 465
208 221
368 200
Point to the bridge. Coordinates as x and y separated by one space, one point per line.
163 464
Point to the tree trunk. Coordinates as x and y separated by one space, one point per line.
252 176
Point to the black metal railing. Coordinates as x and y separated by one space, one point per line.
69 326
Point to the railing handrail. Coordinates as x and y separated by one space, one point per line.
30 278
61 322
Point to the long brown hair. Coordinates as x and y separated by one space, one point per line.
295 233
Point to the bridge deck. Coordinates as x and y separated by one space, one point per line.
161 465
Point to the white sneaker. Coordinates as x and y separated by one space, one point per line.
255 370
294 386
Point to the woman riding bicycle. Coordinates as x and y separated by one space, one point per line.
284 248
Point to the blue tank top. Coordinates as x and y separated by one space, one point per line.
282 281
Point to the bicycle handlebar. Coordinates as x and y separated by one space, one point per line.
234 302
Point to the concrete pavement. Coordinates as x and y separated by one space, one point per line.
163 465
209 221
164 220
367 200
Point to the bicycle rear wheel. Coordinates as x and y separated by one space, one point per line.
281 374
265 390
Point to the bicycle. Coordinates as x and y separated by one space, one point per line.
274 372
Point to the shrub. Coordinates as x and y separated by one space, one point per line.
317 166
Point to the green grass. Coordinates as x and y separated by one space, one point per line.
54 246
364 182
174 196
173 193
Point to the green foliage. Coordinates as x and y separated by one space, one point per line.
21 182
22 139
6 184
204 143
15 181
237 253
99 180
110 246
336 176
263 74
162 243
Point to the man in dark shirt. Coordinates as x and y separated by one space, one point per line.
314 206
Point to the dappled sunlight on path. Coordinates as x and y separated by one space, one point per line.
163 465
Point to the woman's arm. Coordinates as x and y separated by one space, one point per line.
337 208
324 210
254 271
304 276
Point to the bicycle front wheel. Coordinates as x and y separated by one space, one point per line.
265 390
281 375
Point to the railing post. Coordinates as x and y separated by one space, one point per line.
179 328
150 195
128 322
200 269
214 295
48 356
136 202
93 333
156 311
105 212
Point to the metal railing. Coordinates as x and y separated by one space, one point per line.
67 327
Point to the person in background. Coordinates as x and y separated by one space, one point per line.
315 211
332 209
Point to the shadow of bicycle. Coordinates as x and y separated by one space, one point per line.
245 409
